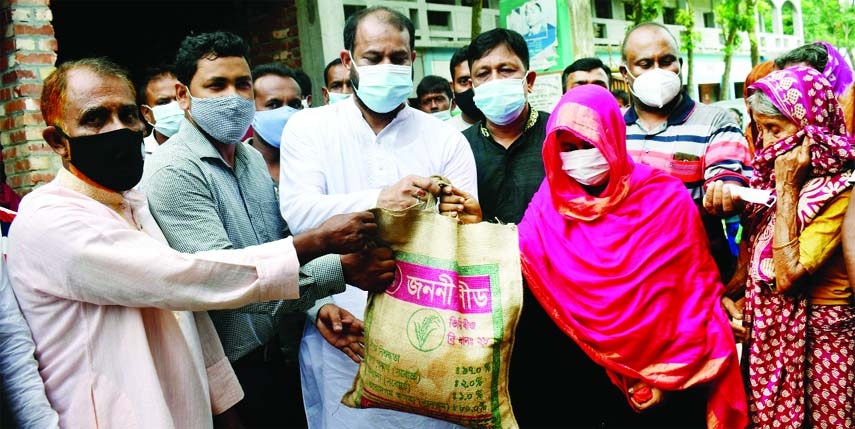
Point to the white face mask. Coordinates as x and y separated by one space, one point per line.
657 87
586 166
442 115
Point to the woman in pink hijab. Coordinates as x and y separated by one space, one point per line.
615 254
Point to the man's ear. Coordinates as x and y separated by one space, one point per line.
183 96
56 141
326 93
529 80
147 114
622 69
453 105
345 58
309 100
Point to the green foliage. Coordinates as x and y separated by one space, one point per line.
644 10
733 16
690 37
829 21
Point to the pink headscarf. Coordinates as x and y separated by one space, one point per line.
628 275
837 70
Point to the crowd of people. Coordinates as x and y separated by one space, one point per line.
220 277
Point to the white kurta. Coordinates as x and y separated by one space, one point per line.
332 163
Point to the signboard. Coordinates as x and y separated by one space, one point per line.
544 24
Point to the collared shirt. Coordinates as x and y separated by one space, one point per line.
508 177
333 162
697 143
201 203
457 122
103 294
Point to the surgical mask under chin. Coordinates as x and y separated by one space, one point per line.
586 166
384 87
113 159
442 115
656 87
335 97
167 118
226 119
501 100
269 124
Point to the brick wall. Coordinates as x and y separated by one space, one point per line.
273 28
27 57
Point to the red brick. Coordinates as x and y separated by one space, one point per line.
5 94
18 136
15 106
28 90
41 30
9 45
36 59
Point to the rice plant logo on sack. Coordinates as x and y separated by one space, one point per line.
425 330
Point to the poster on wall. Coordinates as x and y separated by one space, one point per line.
538 22
546 92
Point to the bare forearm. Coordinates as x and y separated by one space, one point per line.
785 242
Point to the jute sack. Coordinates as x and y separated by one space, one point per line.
438 341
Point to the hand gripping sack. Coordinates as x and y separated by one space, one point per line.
438 341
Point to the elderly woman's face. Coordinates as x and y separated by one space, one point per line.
774 128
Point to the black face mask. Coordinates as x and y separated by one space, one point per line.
113 160
467 105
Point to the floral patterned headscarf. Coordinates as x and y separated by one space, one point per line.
805 97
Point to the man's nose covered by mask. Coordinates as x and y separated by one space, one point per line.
113 159
656 87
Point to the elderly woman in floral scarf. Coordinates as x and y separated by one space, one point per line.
801 354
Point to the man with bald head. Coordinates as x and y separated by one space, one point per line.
697 143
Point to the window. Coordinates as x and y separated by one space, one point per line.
787 19
709 20
669 15
603 9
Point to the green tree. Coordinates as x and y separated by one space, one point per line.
734 17
689 38
476 18
644 10
751 5
830 21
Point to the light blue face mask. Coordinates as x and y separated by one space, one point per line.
335 97
384 87
167 118
269 124
442 115
501 100
226 119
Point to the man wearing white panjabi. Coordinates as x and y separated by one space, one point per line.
371 150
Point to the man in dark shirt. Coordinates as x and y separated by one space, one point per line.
507 142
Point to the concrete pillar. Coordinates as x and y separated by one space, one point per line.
320 24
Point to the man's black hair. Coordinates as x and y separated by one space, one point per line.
207 45
149 74
432 84
489 40
458 57
387 15
585 64
331 64
304 81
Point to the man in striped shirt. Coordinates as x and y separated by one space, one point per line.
697 143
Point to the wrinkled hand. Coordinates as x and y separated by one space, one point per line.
342 330
720 201
791 168
372 270
734 311
458 204
409 191
347 233
643 396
